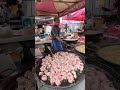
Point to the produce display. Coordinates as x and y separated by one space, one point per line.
80 48
63 66
110 53
97 80
26 82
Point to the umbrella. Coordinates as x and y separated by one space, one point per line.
58 7
77 16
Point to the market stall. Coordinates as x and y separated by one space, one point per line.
45 47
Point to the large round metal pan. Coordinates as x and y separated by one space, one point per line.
111 74
64 84
111 49
92 35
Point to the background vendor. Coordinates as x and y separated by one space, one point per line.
56 40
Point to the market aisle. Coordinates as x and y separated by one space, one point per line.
80 86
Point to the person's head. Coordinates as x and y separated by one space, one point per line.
56 21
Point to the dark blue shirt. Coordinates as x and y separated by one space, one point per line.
55 32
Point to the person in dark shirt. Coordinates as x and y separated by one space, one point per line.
55 34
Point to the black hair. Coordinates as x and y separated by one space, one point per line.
39 26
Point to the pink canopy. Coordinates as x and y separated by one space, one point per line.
71 21
58 7
77 16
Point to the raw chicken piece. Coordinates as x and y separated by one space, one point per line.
71 80
44 77
52 81
59 67
57 82
43 68
48 73
74 74
41 73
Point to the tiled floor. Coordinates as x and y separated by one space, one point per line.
80 86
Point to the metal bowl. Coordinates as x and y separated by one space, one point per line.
64 84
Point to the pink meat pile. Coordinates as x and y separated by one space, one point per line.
62 66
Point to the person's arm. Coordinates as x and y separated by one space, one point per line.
59 39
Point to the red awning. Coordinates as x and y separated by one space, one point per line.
77 16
